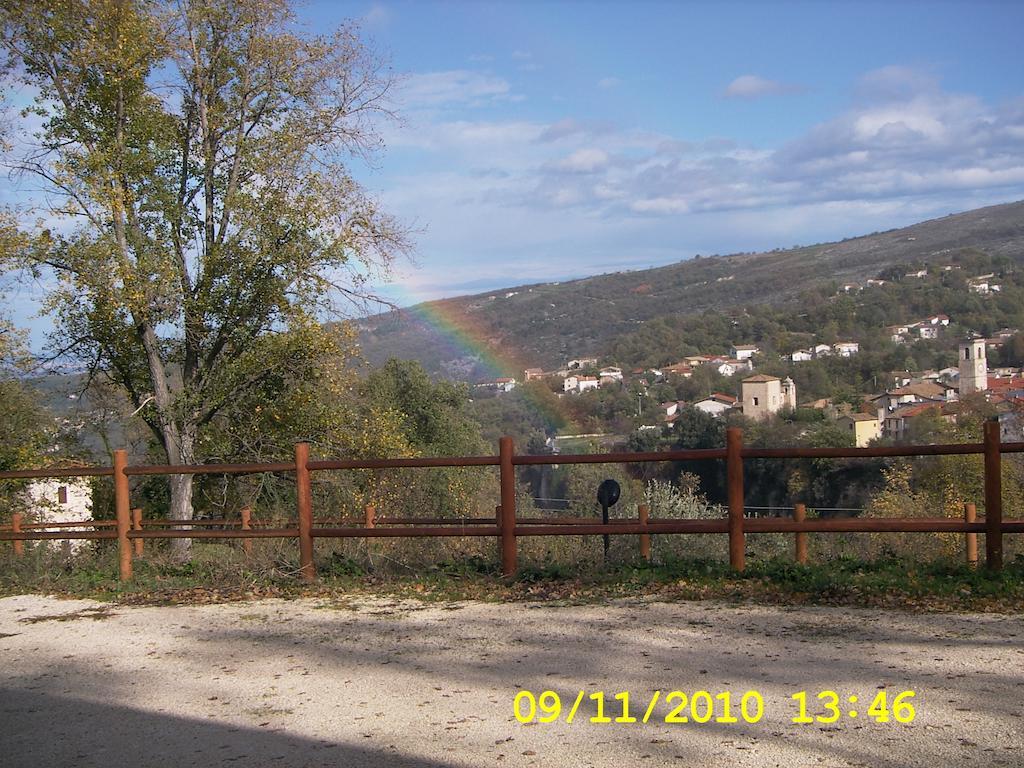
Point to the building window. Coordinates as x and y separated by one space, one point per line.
967 354
62 495
755 401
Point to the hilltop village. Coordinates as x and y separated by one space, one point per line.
885 414
758 382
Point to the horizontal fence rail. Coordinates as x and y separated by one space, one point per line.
131 531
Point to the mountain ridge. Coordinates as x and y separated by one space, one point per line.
501 332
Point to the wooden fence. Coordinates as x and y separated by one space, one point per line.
505 526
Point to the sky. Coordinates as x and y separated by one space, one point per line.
544 141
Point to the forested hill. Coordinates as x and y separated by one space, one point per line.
546 323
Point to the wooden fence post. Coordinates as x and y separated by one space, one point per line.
122 506
139 544
246 513
19 545
506 449
370 513
993 498
970 516
645 538
734 482
799 515
304 502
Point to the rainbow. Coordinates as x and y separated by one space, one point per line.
467 335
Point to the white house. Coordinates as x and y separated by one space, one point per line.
61 500
846 348
801 356
501 385
898 333
743 351
611 372
582 362
717 404
578 384
821 350
728 367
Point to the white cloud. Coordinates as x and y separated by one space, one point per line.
755 86
458 86
896 82
609 82
661 205
584 161
503 141
520 200
901 138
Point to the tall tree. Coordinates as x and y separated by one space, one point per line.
198 149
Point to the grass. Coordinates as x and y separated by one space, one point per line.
220 573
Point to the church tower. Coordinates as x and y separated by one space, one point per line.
973 367
789 393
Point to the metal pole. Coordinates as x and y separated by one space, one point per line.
304 502
605 537
506 449
734 482
993 498
799 515
122 507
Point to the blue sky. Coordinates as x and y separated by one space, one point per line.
542 141
553 140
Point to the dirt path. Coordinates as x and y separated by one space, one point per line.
375 683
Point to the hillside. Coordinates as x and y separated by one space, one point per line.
544 324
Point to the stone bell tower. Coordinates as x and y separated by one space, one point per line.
973 367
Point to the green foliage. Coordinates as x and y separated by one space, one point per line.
26 434
528 410
694 429
198 150
433 417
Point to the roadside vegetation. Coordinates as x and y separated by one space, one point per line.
221 573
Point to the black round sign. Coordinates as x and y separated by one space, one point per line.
608 493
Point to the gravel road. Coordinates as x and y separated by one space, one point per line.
390 683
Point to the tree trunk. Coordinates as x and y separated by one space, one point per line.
181 490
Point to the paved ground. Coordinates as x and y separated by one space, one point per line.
305 683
